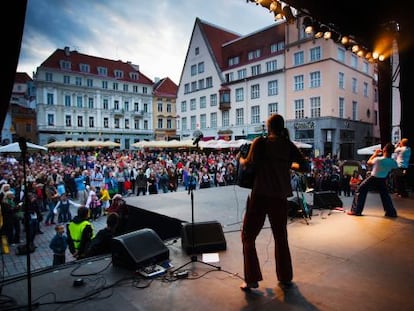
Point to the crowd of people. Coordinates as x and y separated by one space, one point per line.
60 179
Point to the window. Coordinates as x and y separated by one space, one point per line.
253 54
315 79
91 123
298 82
186 88
255 70
271 66
239 116
119 74
116 104
79 101
159 123
125 87
193 122
105 104
106 122
209 82
105 85
203 102
233 61
84 68
193 86
184 124
241 74
80 121
193 104
255 114
365 89
67 100
65 65
272 88
354 110
169 107
341 55
201 84
102 71
144 91
197 50
115 86
116 123
225 118
315 54
145 107
341 80
68 120
354 85
299 109
89 82
341 108
229 77
315 106
90 103
193 70
183 106
50 119
159 107
203 121
239 94
169 124
145 124
255 91
50 99
298 58
273 108
213 119
126 105
136 106
200 67
213 100
78 81
133 75
354 61
365 67
66 79
135 88
136 124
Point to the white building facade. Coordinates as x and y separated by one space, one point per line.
81 97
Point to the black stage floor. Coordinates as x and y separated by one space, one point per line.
340 262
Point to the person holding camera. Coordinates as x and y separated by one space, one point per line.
402 155
382 165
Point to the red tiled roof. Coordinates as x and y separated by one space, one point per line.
257 40
94 62
22 77
165 88
216 37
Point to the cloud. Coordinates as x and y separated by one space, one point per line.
152 34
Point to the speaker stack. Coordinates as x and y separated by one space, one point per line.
138 249
208 237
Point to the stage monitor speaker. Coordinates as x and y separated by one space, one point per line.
326 200
208 237
138 249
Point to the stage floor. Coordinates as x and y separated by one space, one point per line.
340 262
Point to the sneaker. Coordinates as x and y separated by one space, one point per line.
352 213
246 287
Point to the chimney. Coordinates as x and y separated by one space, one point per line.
156 79
67 51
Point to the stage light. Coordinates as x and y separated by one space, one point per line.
287 11
265 3
308 24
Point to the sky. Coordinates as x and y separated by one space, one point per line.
153 34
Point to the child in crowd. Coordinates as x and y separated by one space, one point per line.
105 197
95 207
58 245
62 208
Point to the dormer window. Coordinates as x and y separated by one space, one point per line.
119 74
102 71
134 76
84 68
65 65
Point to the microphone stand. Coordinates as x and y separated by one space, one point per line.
23 149
191 188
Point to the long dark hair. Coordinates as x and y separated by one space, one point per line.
276 125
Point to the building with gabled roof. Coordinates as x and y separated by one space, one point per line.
83 97
165 109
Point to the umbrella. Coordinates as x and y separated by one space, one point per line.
368 150
15 148
301 145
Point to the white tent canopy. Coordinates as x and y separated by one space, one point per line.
368 150
15 148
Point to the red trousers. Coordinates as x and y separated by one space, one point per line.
257 207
